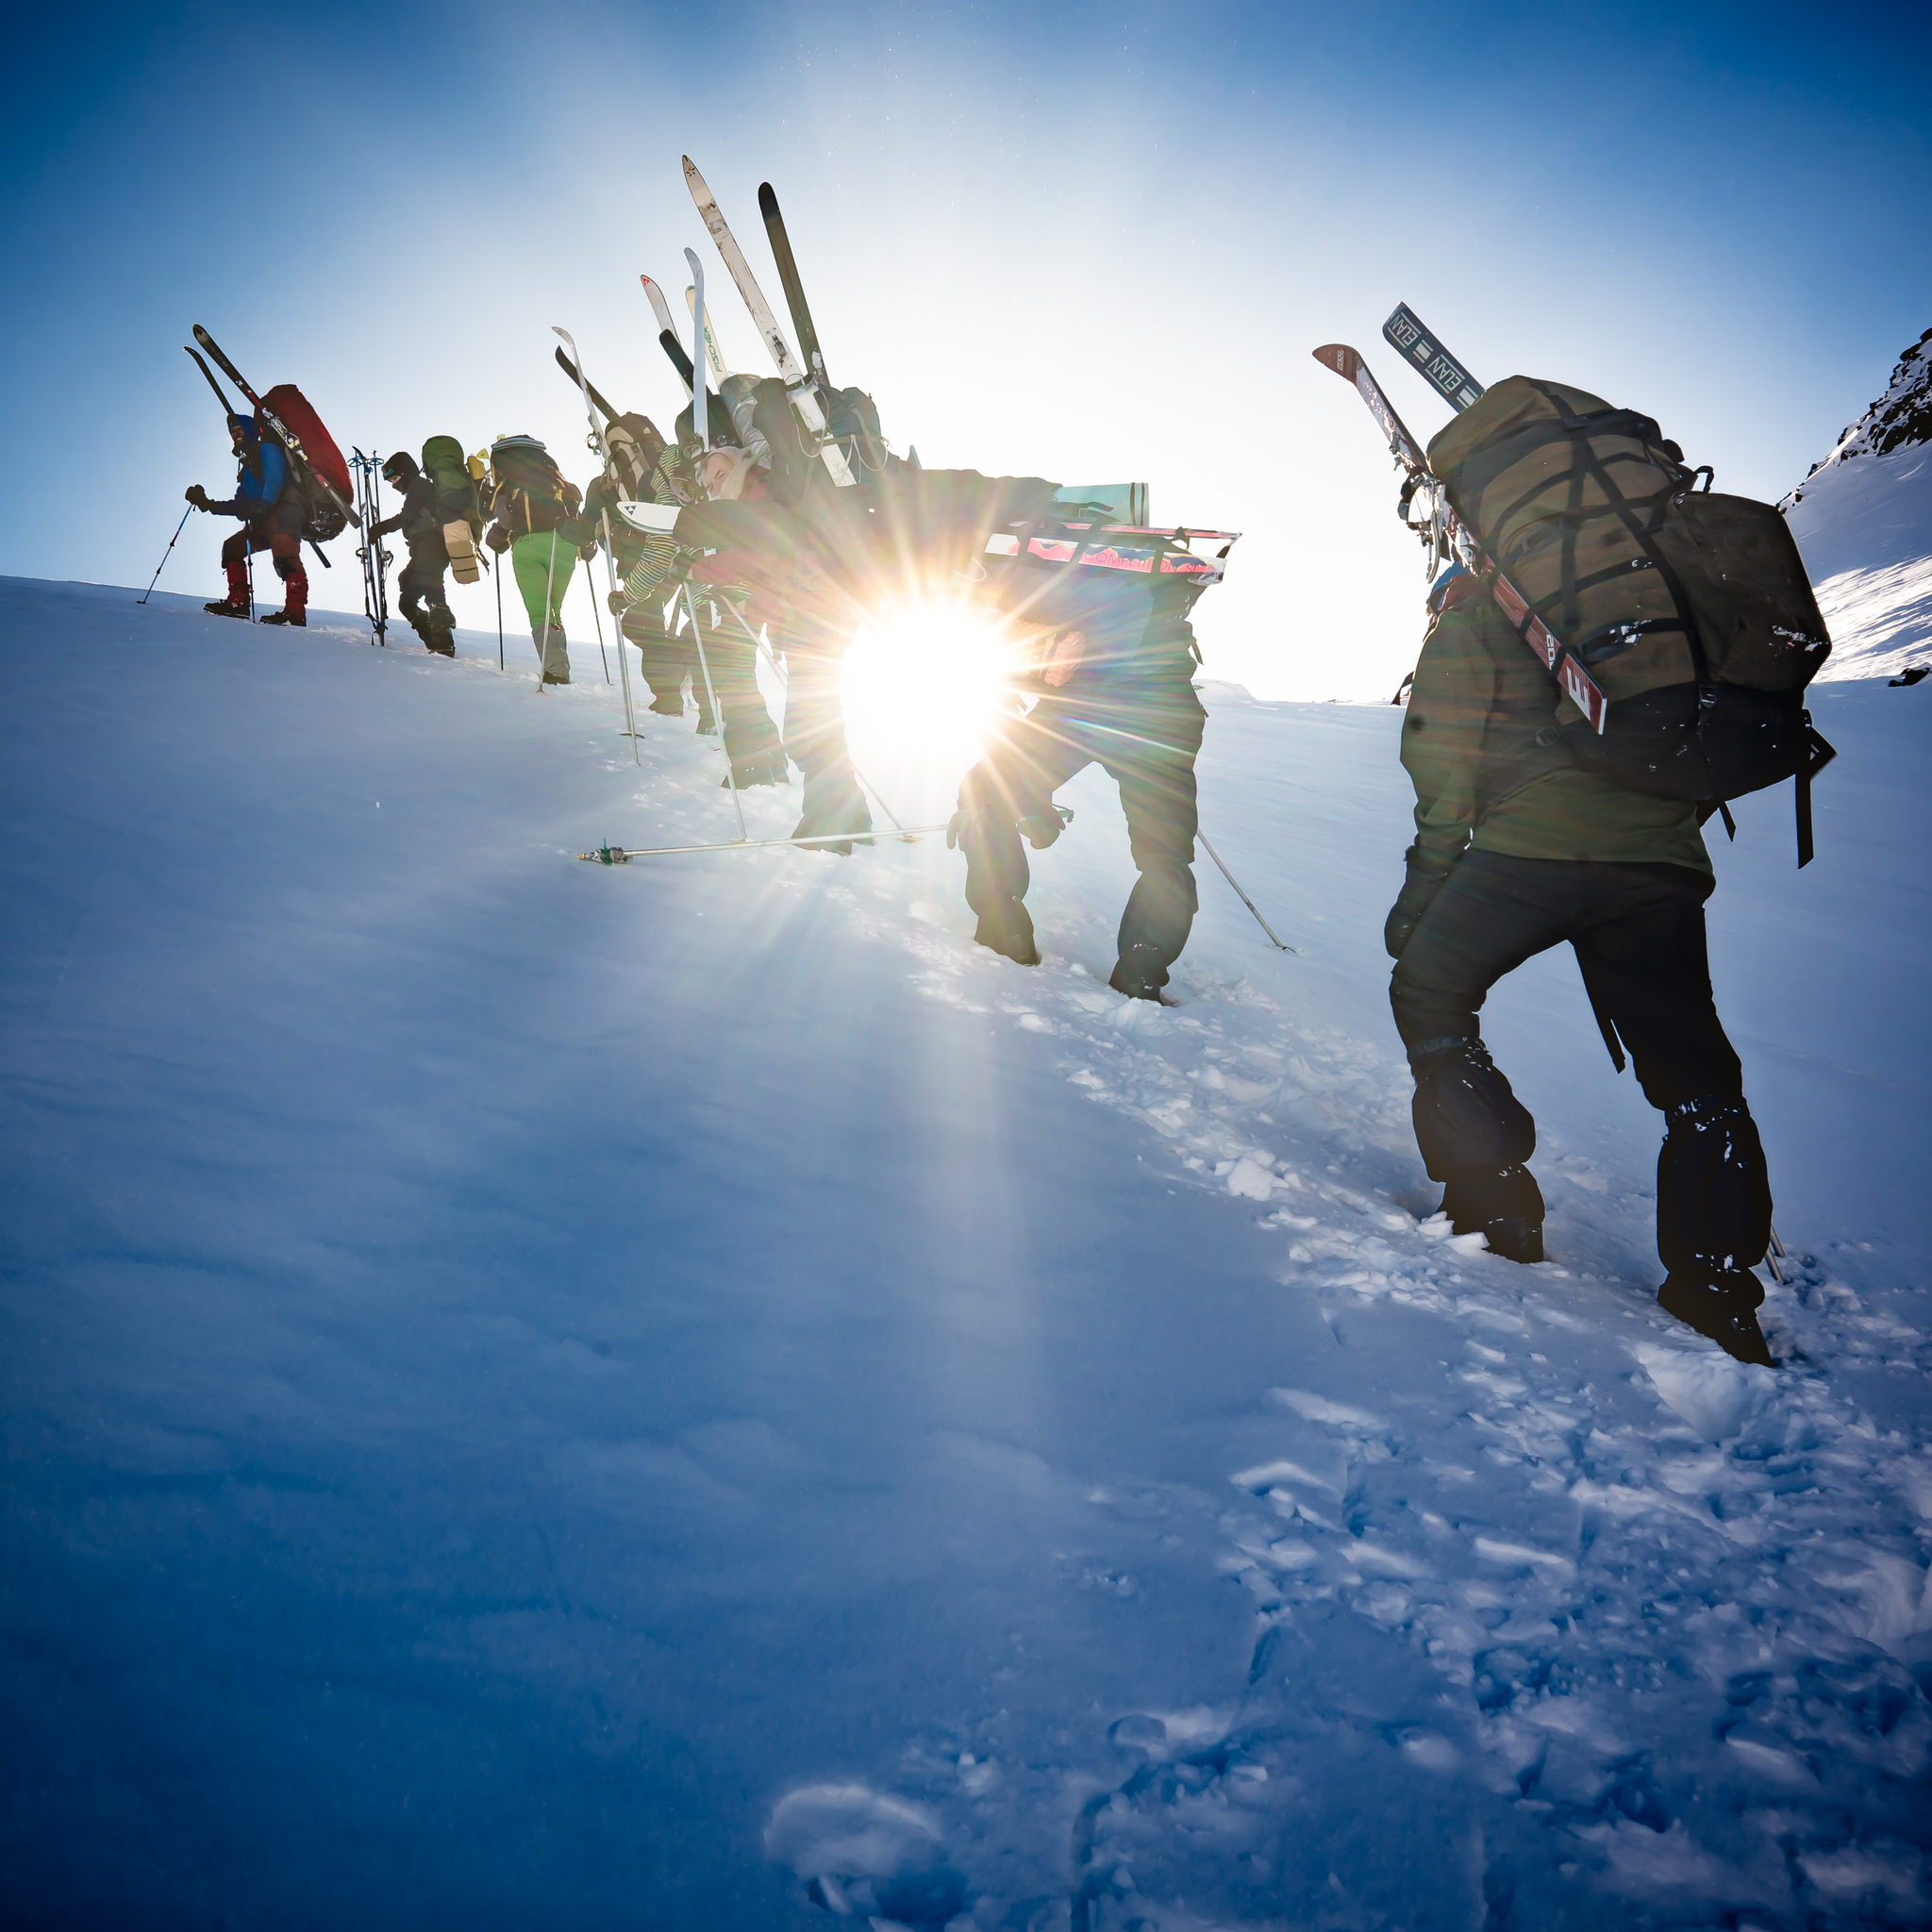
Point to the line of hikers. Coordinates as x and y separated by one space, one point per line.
1519 846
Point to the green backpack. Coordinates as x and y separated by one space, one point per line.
456 507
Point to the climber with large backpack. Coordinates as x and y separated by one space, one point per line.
536 518
268 500
1538 821
437 512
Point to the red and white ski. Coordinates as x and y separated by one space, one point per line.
1577 683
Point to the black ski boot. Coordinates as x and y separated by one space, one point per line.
226 609
1006 927
756 772
297 618
1720 1302
1142 975
667 707
1503 1204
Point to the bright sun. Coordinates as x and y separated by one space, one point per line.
929 682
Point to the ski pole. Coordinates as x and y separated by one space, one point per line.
248 553
597 618
630 722
165 554
619 854
549 578
1246 900
603 520
497 573
691 603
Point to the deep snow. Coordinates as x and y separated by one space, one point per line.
546 1395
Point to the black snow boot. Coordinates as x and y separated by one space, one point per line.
1501 1204
750 771
829 809
1722 1304
299 619
226 609
1007 928
1142 975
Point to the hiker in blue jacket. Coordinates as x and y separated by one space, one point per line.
271 513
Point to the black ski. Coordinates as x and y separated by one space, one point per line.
1582 689
795 289
1404 330
286 437
569 369
208 375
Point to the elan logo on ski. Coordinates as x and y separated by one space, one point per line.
1440 370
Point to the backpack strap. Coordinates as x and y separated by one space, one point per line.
1584 463
1814 754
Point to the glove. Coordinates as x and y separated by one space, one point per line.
618 603
197 497
497 537
1426 871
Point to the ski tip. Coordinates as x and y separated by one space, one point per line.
1338 356
768 202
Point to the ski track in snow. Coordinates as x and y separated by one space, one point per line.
1575 1620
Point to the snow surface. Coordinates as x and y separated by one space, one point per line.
1863 521
692 1396
1864 529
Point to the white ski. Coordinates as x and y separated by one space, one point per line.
700 407
662 309
713 355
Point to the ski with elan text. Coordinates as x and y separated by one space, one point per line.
1582 689
1424 350
286 436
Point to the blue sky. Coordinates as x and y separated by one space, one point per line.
1094 242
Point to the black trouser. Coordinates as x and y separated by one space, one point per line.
751 740
420 594
667 662
278 530
1638 931
815 738
1147 740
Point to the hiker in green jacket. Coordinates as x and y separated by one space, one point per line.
535 517
1518 849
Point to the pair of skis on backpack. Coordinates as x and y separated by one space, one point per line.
807 389
318 460
1765 604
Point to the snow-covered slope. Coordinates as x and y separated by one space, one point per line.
538 1395
1863 520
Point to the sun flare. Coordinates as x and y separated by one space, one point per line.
929 682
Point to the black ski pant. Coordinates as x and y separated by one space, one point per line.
1637 933
420 596
1146 740
751 740
815 738
278 530
667 661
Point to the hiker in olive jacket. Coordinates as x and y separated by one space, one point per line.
1518 849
